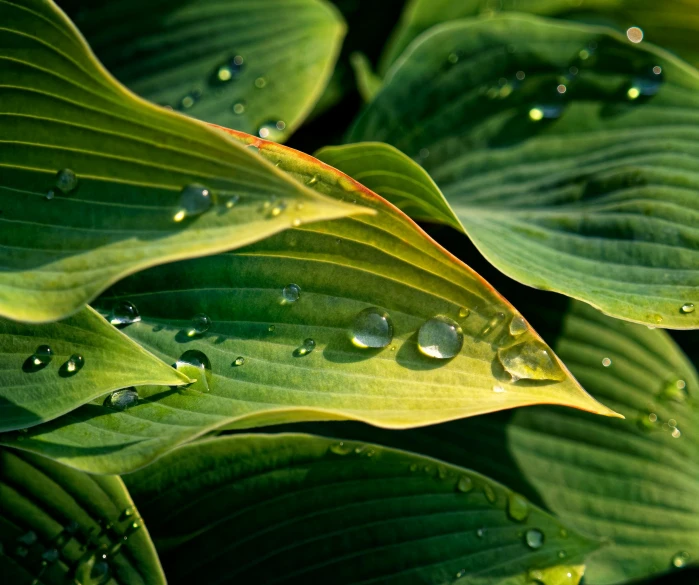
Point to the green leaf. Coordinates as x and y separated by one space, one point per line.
58 525
590 192
37 386
672 24
297 509
368 83
632 481
59 109
342 268
236 63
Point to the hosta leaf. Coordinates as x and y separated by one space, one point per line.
565 171
672 24
633 481
60 111
48 370
297 361
58 525
236 63
297 509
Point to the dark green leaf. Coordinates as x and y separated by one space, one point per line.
302 509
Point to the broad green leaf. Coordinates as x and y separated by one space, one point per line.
302 509
243 64
632 481
368 83
59 109
48 370
58 525
341 268
565 171
672 24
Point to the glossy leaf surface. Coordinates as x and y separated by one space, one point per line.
298 509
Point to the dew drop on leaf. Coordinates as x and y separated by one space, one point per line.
124 313
517 507
122 399
372 328
464 312
291 293
518 326
687 308
307 347
66 181
228 70
74 364
276 209
194 200
260 82
440 338
341 448
272 130
239 108
547 112
465 484
489 493
42 356
196 365
200 325
239 361
480 533
530 360
534 538
680 559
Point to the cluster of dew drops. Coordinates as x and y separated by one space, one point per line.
96 547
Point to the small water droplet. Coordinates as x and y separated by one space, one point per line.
531 360
520 75
675 390
312 181
307 347
492 325
291 293
480 533
49 195
239 108
489 493
546 112
260 82
124 313
517 507
228 70
21 551
122 399
128 512
200 325
74 364
606 362
687 308
196 365
676 433
518 326
92 571
646 422
453 58
239 361
42 356
562 88
634 34
534 538
646 84
276 209
465 484
461 573
414 467
254 149
464 312
372 328
231 202
194 200
66 181
28 538
271 328
341 448
440 338
190 99
273 130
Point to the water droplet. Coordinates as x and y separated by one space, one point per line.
21 551
271 328
634 34
647 84
530 360
74 364
489 493
196 365
231 202
238 108
413 467
49 195
260 82
518 326
66 181
480 533
372 328
239 361
291 293
189 100
273 130
687 308
562 88
228 70
440 338
550 112
28 538
122 399
606 362
680 559
464 312
91 571
465 484
42 356
562 554
341 448
128 512
676 433
534 538
517 507
675 390
461 573
200 325
492 325
498 389
124 313
647 422
276 209
194 200
253 148
307 347
453 58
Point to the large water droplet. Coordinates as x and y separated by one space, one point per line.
687 308
200 325
518 326
42 356
530 360
196 365
465 484
517 507
194 200
440 338
372 328
307 347
74 364
680 559
534 538
124 313
272 130
291 293
122 399
66 181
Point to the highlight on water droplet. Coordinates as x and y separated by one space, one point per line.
562 88
291 293
200 325
687 308
634 34
194 200
122 399
307 347
489 493
480 533
440 338
606 362
196 365
271 328
124 313
66 181
273 130
74 364
517 507
372 328
518 326
530 360
534 538
465 484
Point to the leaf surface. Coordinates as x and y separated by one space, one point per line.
62 244
297 508
298 360
58 525
566 152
